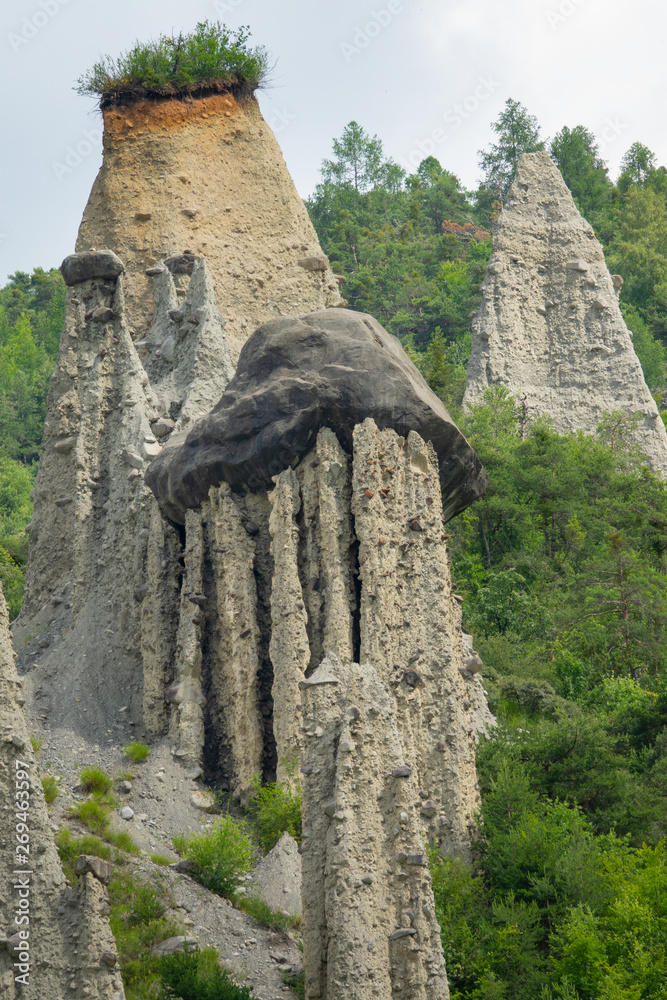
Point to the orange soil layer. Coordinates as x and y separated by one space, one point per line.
169 113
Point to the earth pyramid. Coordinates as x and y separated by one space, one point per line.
549 327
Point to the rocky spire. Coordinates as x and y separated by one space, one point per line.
369 916
55 940
549 327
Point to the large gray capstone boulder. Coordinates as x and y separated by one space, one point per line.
295 375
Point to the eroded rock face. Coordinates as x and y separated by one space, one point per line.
205 177
549 327
66 944
345 557
97 534
297 374
369 926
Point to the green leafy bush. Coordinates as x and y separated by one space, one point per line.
211 59
221 854
92 779
196 975
276 809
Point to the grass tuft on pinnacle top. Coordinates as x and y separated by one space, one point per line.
209 60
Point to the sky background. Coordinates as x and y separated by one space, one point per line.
427 77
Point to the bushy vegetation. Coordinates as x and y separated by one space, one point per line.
221 854
196 975
211 59
276 809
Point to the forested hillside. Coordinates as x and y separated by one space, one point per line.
562 567
32 310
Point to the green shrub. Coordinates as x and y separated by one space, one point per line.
36 743
276 809
297 983
92 779
221 854
136 752
208 60
196 975
50 786
146 906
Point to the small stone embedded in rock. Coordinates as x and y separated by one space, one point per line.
404 771
102 315
318 262
131 457
125 787
172 944
251 528
126 812
80 267
412 678
140 592
64 445
109 958
163 427
203 800
102 870
184 866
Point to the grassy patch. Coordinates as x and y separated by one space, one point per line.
221 854
123 841
36 743
94 815
50 786
161 859
276 809
260 911
136 752
211 59
92 779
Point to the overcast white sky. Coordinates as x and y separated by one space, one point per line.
426 77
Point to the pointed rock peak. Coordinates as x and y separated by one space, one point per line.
549 327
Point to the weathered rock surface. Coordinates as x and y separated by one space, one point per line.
97 534
549 327
327 369
369 926
343 557
205 178
277 877
410 623
58 935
